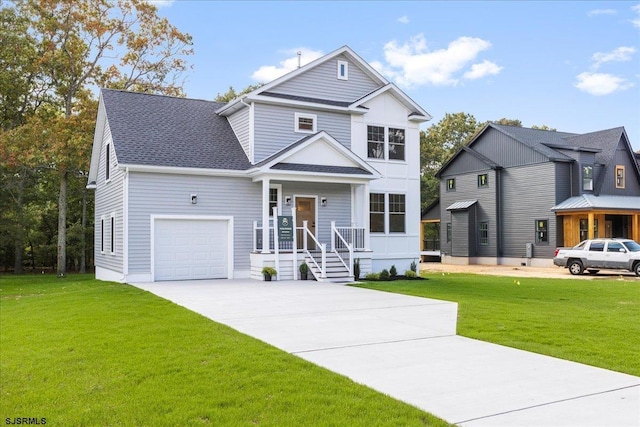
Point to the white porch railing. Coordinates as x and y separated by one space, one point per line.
313 253
341 248
355 236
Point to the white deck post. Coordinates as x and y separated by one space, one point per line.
276 242
365 219
265 216
295 245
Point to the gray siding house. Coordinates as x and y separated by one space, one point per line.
193 189
513 194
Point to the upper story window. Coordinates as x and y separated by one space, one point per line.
451 184
107 167
587 178
619 176
305 123
483 180
375 142
343 70
396 144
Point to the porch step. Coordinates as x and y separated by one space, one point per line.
336 272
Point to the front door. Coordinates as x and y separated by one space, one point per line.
306 211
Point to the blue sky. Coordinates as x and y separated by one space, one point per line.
573 66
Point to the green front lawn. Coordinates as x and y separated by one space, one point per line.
81 352
596 322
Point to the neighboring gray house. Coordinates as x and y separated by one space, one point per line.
187 188
514 194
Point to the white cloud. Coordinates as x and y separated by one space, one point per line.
636 10
602 12
601 84
412 63
266 73
619 54
483 69
403 19
161 3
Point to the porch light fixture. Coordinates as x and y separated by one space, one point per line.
323 201
194 199
287 200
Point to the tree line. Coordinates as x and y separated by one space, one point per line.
54 55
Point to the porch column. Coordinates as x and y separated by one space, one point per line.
265 215
365 216
591 225
636 228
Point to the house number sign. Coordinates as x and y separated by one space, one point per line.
285 228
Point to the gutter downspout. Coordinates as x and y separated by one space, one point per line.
499 225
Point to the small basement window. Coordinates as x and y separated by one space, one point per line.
305 123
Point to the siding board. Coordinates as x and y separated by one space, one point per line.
240 124
322 82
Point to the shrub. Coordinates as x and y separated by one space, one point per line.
410 274
269 271
413 267
384 274
356 268
372 276
304 268
393 272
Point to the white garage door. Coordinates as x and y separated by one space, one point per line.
190 249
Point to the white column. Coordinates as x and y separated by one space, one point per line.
365 216
265 216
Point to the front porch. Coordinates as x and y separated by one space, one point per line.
327 261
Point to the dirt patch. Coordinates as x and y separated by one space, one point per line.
512 271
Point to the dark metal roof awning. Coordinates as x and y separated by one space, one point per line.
463 205
591 202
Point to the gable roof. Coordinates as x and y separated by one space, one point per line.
536 139
303 157
484 159
159 130
264 93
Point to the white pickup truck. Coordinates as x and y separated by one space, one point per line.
597 254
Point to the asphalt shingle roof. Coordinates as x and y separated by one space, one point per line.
299 167
158 130
536 139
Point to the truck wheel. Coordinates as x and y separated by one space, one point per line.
576 268
593 271
636 269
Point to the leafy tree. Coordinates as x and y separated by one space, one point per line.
438 143
121 44
231 94
543 127
508 122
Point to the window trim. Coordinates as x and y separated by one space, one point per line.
484 241
403 213
539 239
486 182
296 125
102 234
620 168
345 75
451 188
278 188
383 143
583 170
389 143
384 213
107 169
112 234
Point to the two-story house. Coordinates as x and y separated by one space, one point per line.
194 189
514 194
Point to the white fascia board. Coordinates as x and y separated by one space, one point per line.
286 153
101 123
401 96
183 171
313 105
314 177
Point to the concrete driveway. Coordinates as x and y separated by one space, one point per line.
406 347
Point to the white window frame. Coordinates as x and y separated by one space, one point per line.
112 234
403 213
278 188
386 144
299 116
345 75
107 161
102 234
587 182
620 178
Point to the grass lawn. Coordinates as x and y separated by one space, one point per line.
77 351
596 322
